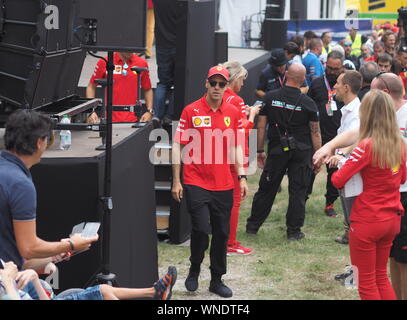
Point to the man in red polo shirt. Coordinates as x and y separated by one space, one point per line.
210 138
125 86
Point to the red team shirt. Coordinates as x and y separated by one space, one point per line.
208 167
125 90
231 97
380 199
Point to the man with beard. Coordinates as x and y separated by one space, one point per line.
273 76
323 93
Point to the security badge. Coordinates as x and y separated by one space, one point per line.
118 69
202 121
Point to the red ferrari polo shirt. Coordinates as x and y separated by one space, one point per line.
209 137
125 90
231 97
380 199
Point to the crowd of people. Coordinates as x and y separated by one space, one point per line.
356 90
336 105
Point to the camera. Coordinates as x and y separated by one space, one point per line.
288 143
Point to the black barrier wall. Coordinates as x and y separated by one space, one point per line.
195 50
68 192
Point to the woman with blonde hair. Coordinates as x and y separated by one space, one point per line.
237 75
376 213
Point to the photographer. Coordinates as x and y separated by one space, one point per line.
293 134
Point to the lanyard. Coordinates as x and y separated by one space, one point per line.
281 81
331 92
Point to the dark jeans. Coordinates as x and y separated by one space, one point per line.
210 213
331 192
166 74
297 164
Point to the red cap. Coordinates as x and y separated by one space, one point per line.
219 70
386 26
395 29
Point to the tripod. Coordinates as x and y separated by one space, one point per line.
139 105
103 84
105 276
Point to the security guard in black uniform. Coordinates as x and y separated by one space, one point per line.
273 76
293 135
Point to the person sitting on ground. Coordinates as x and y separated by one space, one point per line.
13 282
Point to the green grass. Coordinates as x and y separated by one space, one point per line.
277 269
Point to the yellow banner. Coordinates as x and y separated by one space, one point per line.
376 6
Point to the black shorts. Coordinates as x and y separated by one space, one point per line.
399 248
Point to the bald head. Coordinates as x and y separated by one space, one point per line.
391 83
296 74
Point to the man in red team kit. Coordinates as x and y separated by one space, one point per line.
209 132
125 86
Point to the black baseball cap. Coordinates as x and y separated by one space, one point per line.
278 57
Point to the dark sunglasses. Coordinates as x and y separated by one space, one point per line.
333 69
221 84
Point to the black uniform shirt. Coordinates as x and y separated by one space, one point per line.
269 80
280 105
318 91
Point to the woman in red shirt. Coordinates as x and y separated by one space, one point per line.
237 75
376 213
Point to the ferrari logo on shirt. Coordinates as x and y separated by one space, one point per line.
201 121
118 70
395 169
207 121
227 121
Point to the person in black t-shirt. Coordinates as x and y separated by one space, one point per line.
294 135
273 76
165 42
323 93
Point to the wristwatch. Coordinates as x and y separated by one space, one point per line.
151 111
242 177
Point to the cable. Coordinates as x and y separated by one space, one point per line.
96 56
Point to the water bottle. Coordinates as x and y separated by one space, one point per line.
65 135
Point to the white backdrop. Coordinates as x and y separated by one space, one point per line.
231 14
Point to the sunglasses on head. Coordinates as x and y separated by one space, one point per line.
382 80
221 84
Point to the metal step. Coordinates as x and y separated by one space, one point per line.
162 186
162 211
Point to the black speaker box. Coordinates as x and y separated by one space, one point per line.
26 25
275 33
119 23
31 81
298 9
275 9
221 47
195 50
